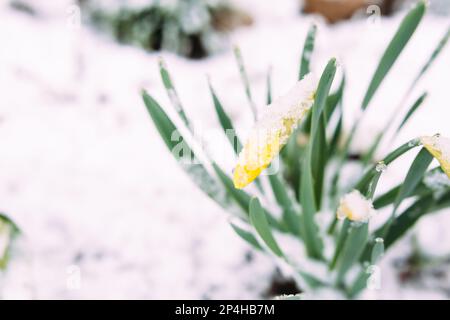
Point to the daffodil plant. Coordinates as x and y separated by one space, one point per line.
192 28
306 196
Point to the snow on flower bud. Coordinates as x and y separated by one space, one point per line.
354 206
273 130
439 147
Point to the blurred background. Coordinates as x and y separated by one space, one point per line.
104 209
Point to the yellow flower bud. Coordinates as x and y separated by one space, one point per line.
439 147
354 206
273 130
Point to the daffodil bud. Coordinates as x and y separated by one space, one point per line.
439 147
354 206
273 130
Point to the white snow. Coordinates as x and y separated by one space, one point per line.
105 210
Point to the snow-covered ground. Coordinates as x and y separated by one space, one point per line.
105 210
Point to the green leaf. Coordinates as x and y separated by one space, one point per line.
370 154
422 71
310 231
431 59
286 202
361 281
336 137
411 111
367 178
246 236
9 221
334 102
407 219
308 49
395 47
259 221
335 99
244 78
414 175
225 122
241 197
172 93
319 160
305 61
317 147
413 178
353 248
363 276
340 243
194 168
373 148
9 229
377 251
322 93
389 196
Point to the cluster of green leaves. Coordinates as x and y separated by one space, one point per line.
188 27
309 181
8 231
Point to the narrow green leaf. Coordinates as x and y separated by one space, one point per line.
259 221
225 122
421 73
353 248
377 251
334 102
413 178
317 147
389 196
395 47
361 280
322 93
186 158
9 230
426 204
172 93
9 221
308 49
305 61
242 198
340 243
286 202
367 178
441 45
244 78
360 283
336 137
370 154
411 111
246 236
406 220
310 231
335 99
319 160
